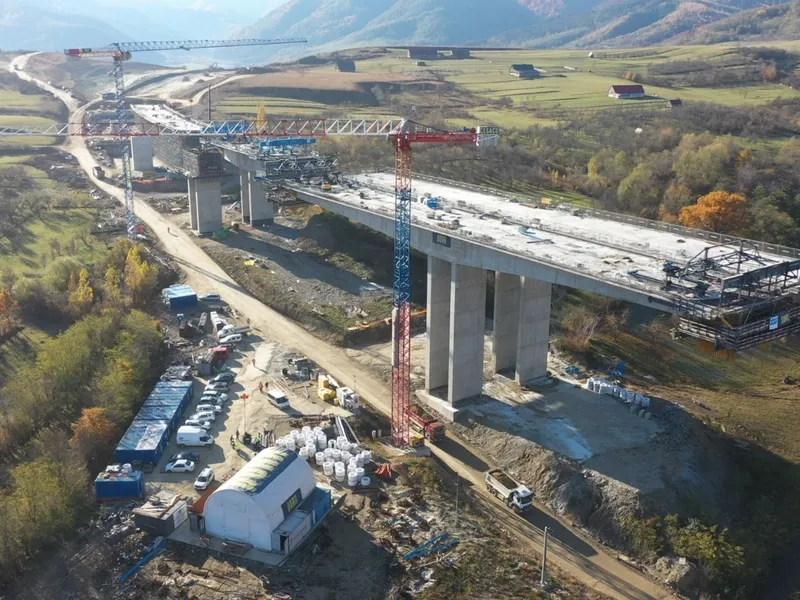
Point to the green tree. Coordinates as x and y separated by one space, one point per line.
640 192
93 437
58 273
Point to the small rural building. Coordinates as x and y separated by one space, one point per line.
461 53
523 71
179 296
423 53
118 482
675 103
623 92
346 65
272 503
160 517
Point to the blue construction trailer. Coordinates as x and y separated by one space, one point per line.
144 441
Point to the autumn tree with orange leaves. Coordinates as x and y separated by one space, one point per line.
720 212
8 314
93 437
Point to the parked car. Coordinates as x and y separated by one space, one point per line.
210 298
227 376
221 396
217 386
198 423
231 339
179 466
203 408
192 456
204 479
203 415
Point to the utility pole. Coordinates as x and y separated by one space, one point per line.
544 560
458 480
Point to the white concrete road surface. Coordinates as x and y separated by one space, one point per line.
569 549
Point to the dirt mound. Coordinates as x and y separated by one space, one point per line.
558 482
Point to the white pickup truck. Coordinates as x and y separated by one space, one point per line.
514 494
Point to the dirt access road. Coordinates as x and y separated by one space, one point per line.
569 549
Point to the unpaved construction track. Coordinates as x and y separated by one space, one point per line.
571 551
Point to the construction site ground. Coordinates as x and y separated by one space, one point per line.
584 559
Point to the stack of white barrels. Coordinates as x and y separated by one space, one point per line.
638 403
307 442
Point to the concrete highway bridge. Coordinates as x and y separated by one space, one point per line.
729 292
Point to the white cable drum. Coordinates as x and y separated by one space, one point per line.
346 456
367 454
360 472
327 468
338 466
352 480
360 460
337 454
294 433
353 448
328 453
304 453
317 430
319 457
306 430
339 476
331 444
280 444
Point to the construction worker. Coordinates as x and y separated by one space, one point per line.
261 386
237 434
254 362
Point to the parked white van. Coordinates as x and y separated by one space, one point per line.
278 398
193 436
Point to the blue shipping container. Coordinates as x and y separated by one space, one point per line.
144 441
179 296
169 414
318 503
113 486
174 386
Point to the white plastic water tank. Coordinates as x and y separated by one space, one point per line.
352 480
337 454
127 468
360 472
304 453
360 459
331 443
353 462
353 448
328 453
319 457
306 430
346 456
327 468
294 433
367 454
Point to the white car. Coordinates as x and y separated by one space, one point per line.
213 395
227 376
231 339
198 423
210 298
203 416
179 466
217 386
215 408
204 479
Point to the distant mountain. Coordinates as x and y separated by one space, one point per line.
30 27
781 22
337 24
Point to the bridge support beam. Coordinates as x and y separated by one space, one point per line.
521 326
205 197
244 186
437 364
534 330
192 193
467 322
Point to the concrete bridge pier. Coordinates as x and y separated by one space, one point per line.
521 326
257 210
205 204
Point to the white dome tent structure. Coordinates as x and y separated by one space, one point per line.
252 505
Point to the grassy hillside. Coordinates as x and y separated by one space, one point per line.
781 22
24 103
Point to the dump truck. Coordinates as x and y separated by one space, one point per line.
99 173
426 425
514 494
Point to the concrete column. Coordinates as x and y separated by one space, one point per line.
438 343
467 319
262 211
192 193
244 186
142 154
209 205
506 321
534 329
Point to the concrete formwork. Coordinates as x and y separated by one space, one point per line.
467 321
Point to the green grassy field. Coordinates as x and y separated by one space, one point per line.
12 98
35 240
